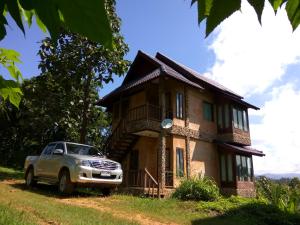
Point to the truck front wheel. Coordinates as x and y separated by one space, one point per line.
29 178
65 186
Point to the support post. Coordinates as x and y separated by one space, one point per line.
162 140
187 138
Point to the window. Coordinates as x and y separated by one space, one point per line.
244 168
134 160
60 146
226 168
220 117
223 116
179 162
240 119
208 111
48 150
179 105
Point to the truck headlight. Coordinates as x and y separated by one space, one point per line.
86 163
119 167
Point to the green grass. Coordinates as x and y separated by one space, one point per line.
19 205
164 210
9 216
9 173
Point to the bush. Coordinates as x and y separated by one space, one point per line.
280 195
204 189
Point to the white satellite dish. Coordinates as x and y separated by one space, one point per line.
167 123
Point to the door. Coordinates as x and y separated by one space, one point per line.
42 163
55 162
133 175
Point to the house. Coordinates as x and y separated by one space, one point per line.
210 134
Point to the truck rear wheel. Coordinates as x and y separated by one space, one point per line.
65 186
29 178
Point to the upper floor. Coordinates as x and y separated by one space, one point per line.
158 88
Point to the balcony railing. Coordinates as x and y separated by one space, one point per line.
144 112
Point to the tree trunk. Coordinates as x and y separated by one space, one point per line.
86 103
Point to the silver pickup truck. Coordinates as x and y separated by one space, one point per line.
69 165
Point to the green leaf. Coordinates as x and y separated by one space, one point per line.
88 19
3 22
10 90
276 3
293 11
28 14
204 7
40 24
13 9
47 12
219 12
258 6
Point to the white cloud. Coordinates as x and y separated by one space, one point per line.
278 133
250 57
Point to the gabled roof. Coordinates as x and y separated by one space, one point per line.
202 80
157 69
146 68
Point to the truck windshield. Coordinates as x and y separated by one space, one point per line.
83 150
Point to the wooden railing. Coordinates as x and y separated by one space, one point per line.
169 178
144 112
151 184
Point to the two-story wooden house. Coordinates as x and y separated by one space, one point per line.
210 134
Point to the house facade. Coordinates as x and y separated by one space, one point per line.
210 134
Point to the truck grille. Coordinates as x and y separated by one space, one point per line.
105 165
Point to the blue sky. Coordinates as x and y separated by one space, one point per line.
259 62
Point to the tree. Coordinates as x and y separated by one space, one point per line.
88 19
86 63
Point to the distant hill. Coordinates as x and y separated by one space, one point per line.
277 176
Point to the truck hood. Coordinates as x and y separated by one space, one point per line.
86 157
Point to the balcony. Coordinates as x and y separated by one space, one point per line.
144 120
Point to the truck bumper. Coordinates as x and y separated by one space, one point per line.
88 176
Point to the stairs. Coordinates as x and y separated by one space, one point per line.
120 142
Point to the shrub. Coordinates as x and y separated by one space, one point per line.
204 189
282 196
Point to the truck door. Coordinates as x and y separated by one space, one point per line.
41 165
55 162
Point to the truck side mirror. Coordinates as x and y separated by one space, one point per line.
58 152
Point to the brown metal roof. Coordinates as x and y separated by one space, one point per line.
163 69
240 149
162 65
195 76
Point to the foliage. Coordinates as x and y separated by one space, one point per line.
90 20
223 204
10 89
216 11
204 189
282 196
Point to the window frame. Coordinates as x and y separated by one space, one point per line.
179 105
179 162
240 118
244 172
211 107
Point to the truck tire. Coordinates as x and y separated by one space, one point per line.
106 191
65 186
29 178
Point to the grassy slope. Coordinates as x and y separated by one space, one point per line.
45 205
